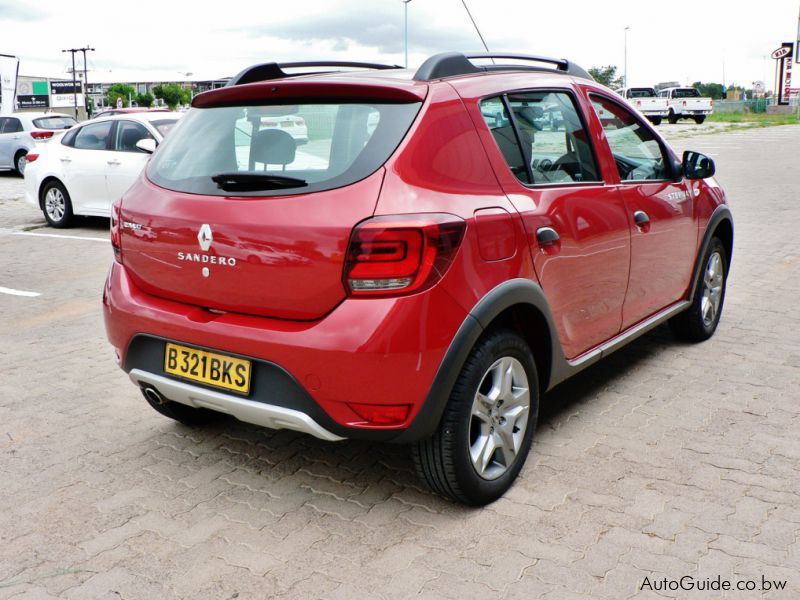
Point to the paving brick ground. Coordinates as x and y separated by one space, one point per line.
665 460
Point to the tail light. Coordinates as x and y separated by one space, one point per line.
31 157
41 135
402 254
638 103
684 103
270 123
116 231
712 103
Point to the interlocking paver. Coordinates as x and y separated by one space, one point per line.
665 459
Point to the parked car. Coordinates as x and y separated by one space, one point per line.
686 103
20 132
294 125
92 165
426 281
646 102
110 112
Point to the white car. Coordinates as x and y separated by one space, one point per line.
20 132
93 165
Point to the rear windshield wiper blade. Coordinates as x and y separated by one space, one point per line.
253 182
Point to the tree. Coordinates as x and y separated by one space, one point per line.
120 90
171 93
607 76
710 90
146 100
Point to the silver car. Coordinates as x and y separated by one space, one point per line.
19 132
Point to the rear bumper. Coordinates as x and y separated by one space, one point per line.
366 351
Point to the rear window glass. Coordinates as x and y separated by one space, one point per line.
279 149
54 122
687 93
642 93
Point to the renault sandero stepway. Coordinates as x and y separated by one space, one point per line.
450 243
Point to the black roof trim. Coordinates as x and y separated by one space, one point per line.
451 64
273 70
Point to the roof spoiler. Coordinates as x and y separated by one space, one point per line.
451 64
273 70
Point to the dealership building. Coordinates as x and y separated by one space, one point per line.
56 94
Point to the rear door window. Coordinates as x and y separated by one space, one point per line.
279 149
544 140
94 136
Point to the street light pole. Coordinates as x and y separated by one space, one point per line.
405 29
85 78
625 67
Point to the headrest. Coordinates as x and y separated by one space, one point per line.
273 147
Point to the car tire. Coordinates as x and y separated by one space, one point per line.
491 412
672 117
56 205
700 320
655 120
187 415
699 120
20 162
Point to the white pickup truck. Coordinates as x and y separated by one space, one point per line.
646 102
686 103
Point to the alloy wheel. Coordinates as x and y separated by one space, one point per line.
499 418
712 289
55 204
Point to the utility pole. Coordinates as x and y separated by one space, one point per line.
74 81
625 64
405 29
86 49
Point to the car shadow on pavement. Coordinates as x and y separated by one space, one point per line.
366 473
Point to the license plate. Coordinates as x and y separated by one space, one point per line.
211 368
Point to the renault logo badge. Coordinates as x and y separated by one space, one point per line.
205 237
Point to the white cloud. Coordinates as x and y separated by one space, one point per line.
684 40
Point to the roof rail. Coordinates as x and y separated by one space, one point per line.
273 70
450 64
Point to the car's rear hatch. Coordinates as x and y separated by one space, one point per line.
234 214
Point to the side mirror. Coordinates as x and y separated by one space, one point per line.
697 166
146 145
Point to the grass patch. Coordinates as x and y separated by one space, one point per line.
755 119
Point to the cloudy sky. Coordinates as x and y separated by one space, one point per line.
148 40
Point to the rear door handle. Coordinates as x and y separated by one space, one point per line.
546 236
640 218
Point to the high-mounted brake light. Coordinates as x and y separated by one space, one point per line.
41 135
116 231
401 254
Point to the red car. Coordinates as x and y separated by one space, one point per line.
451 243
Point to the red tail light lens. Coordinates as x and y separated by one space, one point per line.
378 414
401 254
684 102
31 157
41 135
116 231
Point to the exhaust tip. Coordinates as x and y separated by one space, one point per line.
153 396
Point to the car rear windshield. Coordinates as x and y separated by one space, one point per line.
642 93
279 149
54 122
687 93
164 126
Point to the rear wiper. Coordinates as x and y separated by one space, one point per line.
253 182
